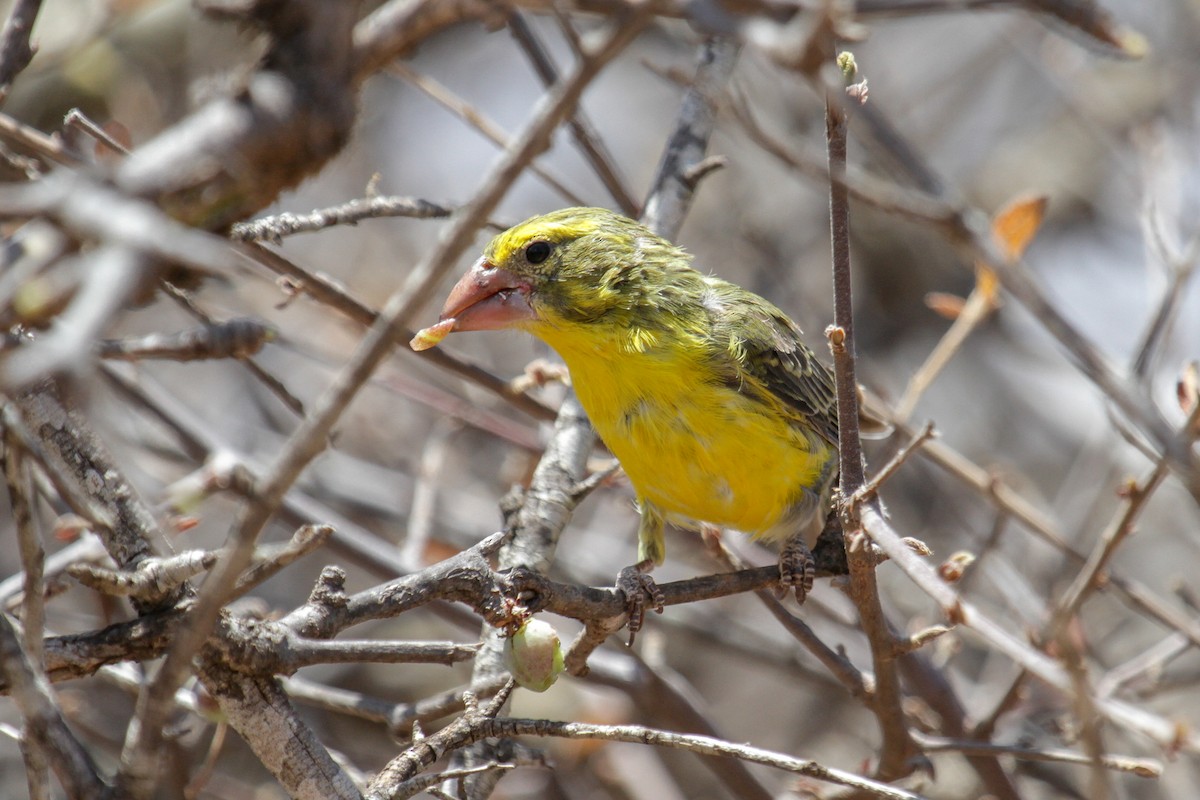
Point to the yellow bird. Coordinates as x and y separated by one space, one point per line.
704 391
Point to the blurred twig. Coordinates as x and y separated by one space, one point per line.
479 121
33 608
586 137
76 119
1084 17
838 665
71 763
15 50
1142 767
671 193
328 292
242 339
961 611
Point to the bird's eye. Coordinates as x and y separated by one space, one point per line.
537 252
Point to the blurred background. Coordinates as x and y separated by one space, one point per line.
997 104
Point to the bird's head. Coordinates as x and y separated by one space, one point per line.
577 265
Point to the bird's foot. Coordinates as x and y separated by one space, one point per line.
639 590
796 568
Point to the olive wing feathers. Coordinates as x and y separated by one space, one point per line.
768 353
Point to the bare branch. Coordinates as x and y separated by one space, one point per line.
480 122
471 728
671 193
962 612
15 50
154 579
43 719
75 450
276 227
326 291
896 757
235 338
586 137
1141 767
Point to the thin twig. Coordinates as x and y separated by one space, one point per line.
857 684
33 607
979 305
668 699
326 291
427 481
49 148
235 338
274 228
15 50
962 612
480 122
692 743
898 748
1011 502
586 137
272 559
71 762
1141 767
671 192
29 545
1085 582
80 121
246 344
871 487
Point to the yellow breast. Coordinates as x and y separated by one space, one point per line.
698 449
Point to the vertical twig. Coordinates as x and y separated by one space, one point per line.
15 50
1091 724
427 481
33 607
897 746
671 193
544 513
29 544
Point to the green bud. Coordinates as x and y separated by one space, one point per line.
846 63
534 655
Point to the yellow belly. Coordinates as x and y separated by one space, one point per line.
697 449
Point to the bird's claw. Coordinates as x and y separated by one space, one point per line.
640 590
796 569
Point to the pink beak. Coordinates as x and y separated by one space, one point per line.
488 298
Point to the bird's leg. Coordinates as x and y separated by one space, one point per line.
635 581
796 566
638 587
